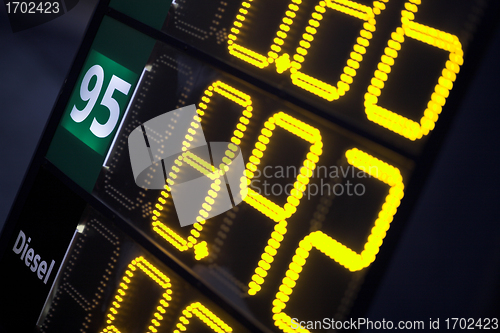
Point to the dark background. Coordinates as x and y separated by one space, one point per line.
447 263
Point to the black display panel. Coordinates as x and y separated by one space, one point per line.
386 67
127 289
332 105
245 253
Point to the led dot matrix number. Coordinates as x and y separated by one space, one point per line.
392 120
142 266
326 244
389 119
179 242
334 249
294 63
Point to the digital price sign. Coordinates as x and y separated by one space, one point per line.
332 105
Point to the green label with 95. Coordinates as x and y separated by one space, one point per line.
98 101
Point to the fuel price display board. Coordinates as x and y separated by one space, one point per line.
333 105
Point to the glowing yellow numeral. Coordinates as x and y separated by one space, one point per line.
436 38
205 315
284 62
335 250
239 51
201 248
318 87
161 279
267 207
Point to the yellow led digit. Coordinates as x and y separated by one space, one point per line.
250 56
200 248
121 295
267 207
335 250
392 120
354 9
205 315
204 167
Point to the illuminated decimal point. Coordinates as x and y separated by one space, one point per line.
267 207
334 249
205 315
122 293
204 167
351 8
391 120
